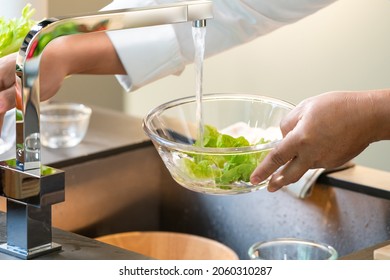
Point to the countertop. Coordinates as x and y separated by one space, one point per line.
365 254
361 179
75 247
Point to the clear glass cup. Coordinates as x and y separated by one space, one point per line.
63 125
291 249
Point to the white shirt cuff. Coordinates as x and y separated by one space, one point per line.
147 54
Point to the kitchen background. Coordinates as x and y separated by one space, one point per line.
342 47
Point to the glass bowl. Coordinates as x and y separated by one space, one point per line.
291 249
223 160
63 125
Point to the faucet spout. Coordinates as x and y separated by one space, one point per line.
199 23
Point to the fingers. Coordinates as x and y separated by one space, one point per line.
283 164
283 168
7 99
279 156
7 82
290 173
283 153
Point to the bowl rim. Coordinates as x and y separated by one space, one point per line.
211 97
333 253
82 108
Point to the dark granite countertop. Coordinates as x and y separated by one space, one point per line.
75 247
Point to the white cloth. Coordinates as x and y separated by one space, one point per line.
302 188
7 139
155 52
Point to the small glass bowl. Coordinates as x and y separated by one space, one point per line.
173 128
63 125
291 249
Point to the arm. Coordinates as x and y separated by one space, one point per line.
69 55
326 131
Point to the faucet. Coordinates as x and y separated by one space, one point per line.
29 187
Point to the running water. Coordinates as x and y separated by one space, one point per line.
199 34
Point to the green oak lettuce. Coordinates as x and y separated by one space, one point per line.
13 31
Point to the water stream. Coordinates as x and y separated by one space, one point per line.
199 34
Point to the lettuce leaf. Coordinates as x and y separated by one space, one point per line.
224 169
13 31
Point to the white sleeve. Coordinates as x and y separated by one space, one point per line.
151 53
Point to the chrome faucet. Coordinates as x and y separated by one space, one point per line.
30 188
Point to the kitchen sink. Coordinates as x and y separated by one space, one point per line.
347 220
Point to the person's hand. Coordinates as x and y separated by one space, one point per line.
7 84
50 80
323 131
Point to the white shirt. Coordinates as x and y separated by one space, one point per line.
151 53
